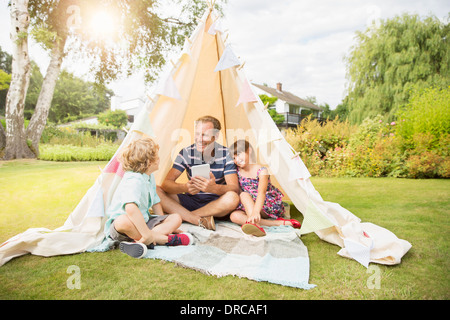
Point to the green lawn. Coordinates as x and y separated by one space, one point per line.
42 194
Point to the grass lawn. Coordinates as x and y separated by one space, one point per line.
42 194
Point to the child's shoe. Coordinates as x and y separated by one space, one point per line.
182 239
253 229
133 249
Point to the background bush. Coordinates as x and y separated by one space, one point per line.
66 144
416 145
102 152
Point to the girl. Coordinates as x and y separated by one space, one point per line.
260 200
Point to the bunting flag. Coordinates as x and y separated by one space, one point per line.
357 243
358 251
168 88
114 166
186 53
227 60
97 207
246 94
142 123
298 170
215 27
266 136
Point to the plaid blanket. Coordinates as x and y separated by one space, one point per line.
280 257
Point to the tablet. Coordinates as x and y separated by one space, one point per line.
201 170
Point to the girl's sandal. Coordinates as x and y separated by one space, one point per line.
295 223
253 229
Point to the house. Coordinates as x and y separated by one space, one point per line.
131 106
292 107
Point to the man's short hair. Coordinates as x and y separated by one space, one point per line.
214 121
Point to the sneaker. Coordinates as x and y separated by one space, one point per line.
182 239
207 223
133 249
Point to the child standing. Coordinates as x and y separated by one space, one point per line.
260 200
129 220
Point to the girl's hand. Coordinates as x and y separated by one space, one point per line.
255 218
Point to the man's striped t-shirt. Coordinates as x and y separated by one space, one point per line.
221 163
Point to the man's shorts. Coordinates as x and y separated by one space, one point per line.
152 222
194 202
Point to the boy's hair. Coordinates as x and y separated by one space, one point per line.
214 121
139 155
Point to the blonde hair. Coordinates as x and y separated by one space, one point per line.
139 155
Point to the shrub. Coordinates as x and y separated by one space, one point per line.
102 152
427 112
117 119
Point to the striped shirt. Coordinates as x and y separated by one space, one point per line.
221 164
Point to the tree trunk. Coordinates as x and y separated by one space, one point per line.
39 118
2 139
16 141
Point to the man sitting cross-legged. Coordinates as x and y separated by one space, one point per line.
200 200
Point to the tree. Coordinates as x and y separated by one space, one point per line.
5 79
139 41
387 62
74 97
15 139
117 119
270 102
5 66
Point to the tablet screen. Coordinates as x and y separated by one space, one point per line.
201 170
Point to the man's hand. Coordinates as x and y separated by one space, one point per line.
192 189
205 185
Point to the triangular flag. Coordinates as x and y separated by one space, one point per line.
227 60
114 166
298 170
266 136
246 94
216 26
358 251
168 88
97 207
142 123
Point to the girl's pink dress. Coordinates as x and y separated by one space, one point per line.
273 206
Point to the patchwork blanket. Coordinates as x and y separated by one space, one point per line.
280 257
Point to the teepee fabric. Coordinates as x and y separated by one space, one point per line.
206 80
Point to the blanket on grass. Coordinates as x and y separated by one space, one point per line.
280 257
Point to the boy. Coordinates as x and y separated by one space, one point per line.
129 220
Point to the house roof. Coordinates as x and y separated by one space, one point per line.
288 97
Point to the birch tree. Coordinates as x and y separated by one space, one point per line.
16 143
140 41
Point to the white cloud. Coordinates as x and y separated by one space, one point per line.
302 43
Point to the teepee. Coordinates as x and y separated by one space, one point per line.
209 79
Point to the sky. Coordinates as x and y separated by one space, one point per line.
300 43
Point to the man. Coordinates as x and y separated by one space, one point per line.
200 200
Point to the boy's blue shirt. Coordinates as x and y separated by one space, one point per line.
138 188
